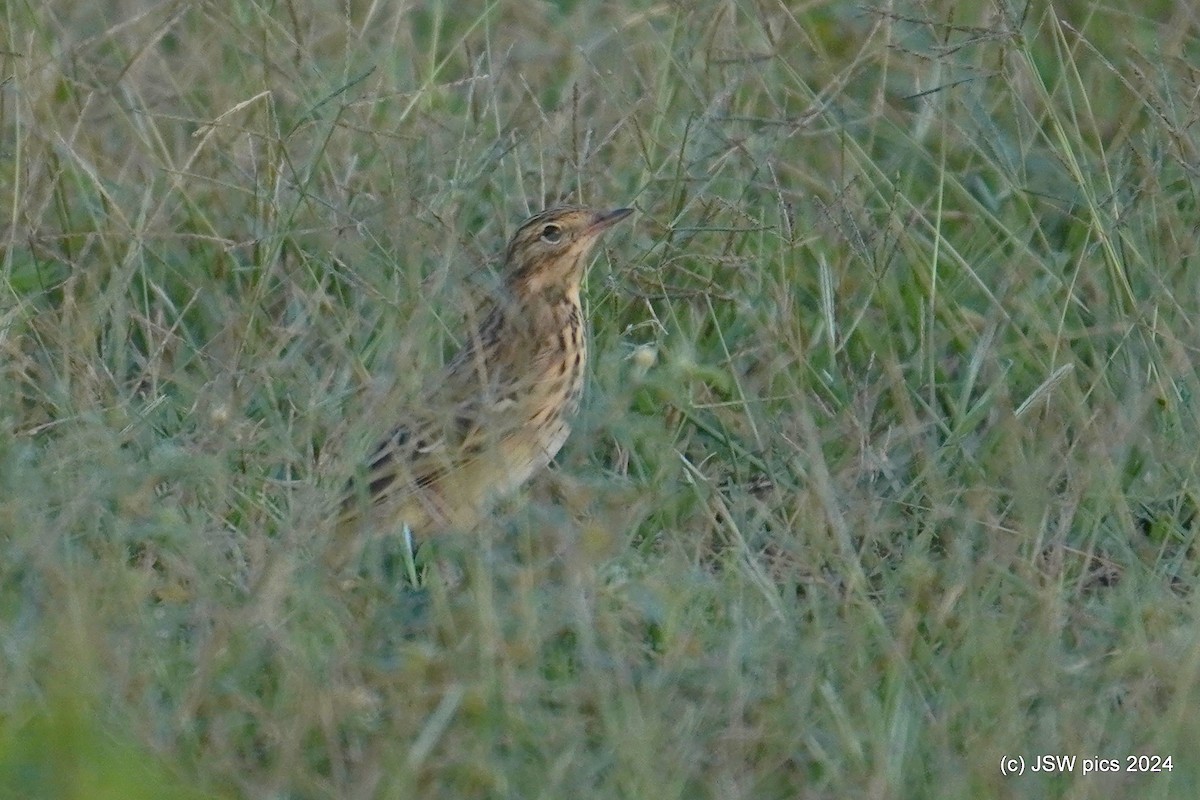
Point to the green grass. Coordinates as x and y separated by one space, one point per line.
909 486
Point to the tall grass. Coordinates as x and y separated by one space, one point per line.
887 469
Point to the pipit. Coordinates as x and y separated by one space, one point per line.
502 408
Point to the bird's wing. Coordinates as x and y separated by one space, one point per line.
431 443
469 407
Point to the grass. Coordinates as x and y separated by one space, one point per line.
887 470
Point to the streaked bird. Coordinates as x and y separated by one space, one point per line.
502 408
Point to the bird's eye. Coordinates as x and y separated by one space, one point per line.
551 233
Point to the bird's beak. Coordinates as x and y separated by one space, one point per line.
606 220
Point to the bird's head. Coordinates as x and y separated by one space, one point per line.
550 250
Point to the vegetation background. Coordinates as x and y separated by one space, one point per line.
888 469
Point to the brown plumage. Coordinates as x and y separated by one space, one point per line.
501 409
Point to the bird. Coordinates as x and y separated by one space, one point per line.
502 407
